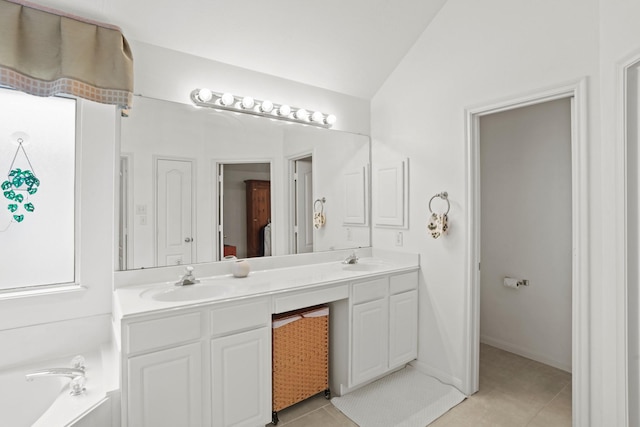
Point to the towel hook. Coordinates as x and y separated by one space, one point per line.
445 196
322 202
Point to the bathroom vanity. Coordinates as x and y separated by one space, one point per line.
200 355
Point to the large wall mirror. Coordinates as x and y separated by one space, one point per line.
198 185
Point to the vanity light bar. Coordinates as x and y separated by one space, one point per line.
248 105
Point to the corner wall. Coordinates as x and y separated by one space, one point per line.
473 53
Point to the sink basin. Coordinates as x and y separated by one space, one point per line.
364 265
186 293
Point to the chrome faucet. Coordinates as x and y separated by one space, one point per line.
188 278
351 259
75 373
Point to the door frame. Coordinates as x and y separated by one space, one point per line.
194 202
216 200
622 220
126 212
576 91
292 195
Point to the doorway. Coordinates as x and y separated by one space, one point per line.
525 232
244 209
301 179
576 93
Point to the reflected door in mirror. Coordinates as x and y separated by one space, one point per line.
174 210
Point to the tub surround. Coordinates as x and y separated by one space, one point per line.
216 349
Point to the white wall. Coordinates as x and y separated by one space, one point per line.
473 53
478 52
171 75
619 39
525 164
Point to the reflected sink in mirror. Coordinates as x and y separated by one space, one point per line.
186 293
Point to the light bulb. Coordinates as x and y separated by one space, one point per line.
266 107
247 102
204 95
284 110
226 99
317 117
302 114
331 119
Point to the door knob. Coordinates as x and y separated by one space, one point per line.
188 239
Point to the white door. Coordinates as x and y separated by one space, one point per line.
174 207
241 379
165 388
403 328
369 341
304 205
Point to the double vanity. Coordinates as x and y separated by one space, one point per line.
200 355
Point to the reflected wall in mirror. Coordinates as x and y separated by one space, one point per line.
185 173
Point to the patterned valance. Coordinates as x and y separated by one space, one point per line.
45 52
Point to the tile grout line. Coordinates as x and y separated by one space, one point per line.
549 402
304 415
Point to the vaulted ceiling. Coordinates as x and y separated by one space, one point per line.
348 46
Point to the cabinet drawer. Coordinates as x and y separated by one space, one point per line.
369 290
170 330
308 298
240 316
403 282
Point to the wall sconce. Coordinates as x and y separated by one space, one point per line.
248 105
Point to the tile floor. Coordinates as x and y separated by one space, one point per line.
514 392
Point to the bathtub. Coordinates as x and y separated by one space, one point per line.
46 402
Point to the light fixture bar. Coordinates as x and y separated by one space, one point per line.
248 105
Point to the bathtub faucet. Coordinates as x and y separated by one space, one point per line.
76 374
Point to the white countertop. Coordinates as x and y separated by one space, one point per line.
139 299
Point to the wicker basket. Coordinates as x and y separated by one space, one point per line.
300 356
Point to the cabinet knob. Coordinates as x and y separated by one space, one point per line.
188 239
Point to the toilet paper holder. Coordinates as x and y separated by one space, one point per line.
511 282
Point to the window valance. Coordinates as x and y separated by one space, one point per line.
45 52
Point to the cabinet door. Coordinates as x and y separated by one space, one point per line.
370 333
403 328
241 379
165 388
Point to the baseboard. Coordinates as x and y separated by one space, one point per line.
520 351
440 375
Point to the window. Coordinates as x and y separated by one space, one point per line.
37 216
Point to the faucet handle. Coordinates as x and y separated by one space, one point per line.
77 386
78 362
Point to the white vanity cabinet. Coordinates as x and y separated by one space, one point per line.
163 367
209 366
208 363
241 365
165 388
382 315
